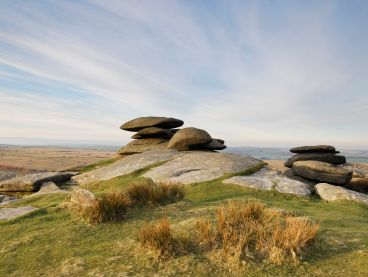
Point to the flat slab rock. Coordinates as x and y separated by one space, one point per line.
200 166
269 179
322 172
32 182
330 192
126 165
11 213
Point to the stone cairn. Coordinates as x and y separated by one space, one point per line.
160 133
319 163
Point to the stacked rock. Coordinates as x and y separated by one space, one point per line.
319 163
160 133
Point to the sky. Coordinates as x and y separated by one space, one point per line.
255 73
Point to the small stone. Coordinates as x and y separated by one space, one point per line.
83 197
214 145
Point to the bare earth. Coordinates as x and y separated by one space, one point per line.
17 161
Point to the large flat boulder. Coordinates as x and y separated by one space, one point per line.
189 138
32 182
153 132
322 172
151 121
313 149
11 213
144 145
330 192
126 165
322 157
200 166
268 179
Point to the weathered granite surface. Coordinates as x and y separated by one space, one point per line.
11 213
268 179
198 166
330 192
126 165
32 182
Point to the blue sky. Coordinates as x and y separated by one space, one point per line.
255 73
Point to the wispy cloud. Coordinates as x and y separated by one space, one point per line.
253 72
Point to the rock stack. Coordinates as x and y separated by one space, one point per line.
160 133
319 163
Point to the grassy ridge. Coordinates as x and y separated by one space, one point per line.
51 241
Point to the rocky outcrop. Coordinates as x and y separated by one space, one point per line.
314 149
199 166
32 182
127 165
48 188
157 133
144 145
268 179
189 138
322 172
151 121
359 182
322 157
330 192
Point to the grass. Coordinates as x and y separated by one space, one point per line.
98 164
51 242
113 206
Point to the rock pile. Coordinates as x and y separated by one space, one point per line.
319 163
160 133
321 153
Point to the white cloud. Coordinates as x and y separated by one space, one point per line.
281 68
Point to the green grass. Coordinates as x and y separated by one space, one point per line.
98 164
52 242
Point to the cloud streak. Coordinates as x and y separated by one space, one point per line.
255 73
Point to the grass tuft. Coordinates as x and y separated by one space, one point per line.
158 236
249 230
110 207
145 192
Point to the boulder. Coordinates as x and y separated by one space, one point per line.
214 145
359 182
126 165
268 179
322 157
11 213
220 140
314 149
189 138
330 192
48 188
323 172
153 132
144 145
32 182
82 197
200 166
151 121
6 199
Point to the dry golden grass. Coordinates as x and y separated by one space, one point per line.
145 192
245 230
112 206
158 236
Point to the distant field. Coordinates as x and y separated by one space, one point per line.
15 161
